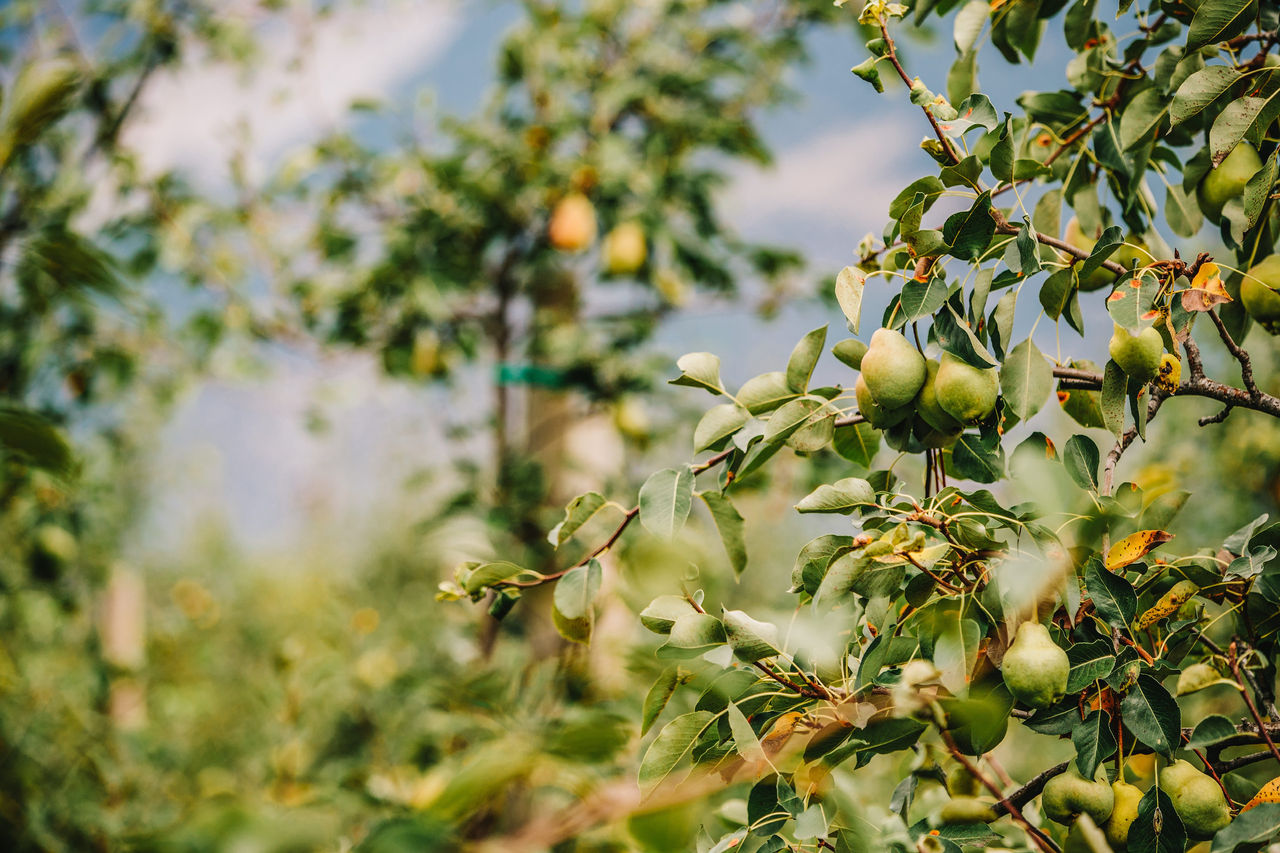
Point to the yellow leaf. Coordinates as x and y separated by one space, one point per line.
1268 793
1132 548
1207 290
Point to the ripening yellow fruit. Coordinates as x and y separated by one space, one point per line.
1123 814
624 249
573 223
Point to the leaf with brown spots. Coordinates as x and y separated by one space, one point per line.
1134 546
1206 290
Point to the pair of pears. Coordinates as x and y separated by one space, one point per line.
897 381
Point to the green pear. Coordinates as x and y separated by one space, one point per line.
927 402
962 783
965 810
1035 668
1196 798
1228 180
1069 795
964 392
1258 295
878 416
1123 815
1138 355
935 439
893 369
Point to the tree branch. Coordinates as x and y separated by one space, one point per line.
1003 226
906 78
1246 365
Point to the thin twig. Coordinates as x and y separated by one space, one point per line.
906 78
1246 365
1037 835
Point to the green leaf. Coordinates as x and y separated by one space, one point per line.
1025 379
1089 662
978 458
744 737
655 701
1232 125
1001 326
968 24
843 497
692 635
866 70
730 525
955 336
1258 825
850 283
1113 596
661 614
1157 829
841 574
699 370
34 441
1108 241
1081 457
578 589
1219 20
1182 212
1095 742
1212 729
803 359
1200 90
672 748
1258 190
806 425
665 500
1114 386
920 299
1152 715
968 232
717 424
579 511
857 443
765 392
487 574
750 640
1132 305
1141 117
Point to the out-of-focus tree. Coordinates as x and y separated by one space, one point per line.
546 236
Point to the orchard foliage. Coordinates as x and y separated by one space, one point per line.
992 577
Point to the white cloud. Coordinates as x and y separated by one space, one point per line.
191 117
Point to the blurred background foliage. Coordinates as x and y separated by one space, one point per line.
218 703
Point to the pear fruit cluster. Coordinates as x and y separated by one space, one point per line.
1035 668
944 396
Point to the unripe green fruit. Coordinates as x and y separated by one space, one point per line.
964 392
893 369
965 810
927 402
962 783
1196 798
1257 296
878 416
1227 181
934 439
1123 815
1069 795
1138 355
1035 668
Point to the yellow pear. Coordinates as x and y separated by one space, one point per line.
624 249
894 370
1228 180
573 223
1123 815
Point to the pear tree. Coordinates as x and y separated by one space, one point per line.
993 570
